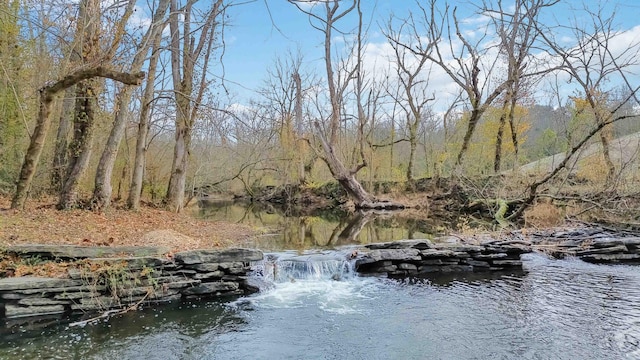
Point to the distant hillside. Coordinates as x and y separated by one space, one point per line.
624 153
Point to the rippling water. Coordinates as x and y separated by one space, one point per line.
557 309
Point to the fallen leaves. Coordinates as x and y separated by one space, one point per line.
41 223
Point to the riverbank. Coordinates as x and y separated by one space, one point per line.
41 223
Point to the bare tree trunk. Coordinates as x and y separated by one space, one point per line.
80 148
135 189
497 159
604 141
299 128
60 151
102 187
47 95
183 81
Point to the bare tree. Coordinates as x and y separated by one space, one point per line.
47 96
592 63
413 84
338 81
185 54
102 187
463 64
135 189
87 94
517 35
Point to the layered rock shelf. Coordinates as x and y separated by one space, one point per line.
594 245
420 257
128 277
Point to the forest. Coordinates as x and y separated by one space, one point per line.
101 106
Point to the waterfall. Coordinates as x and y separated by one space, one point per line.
291 267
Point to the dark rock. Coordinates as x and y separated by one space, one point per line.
133 263
218 256
83 252
235 268
210 288
431 262
47 291
402 244
445 268
432 253
211 275
135 291
205 267
631 242
611 258
234 278
406 266
181 284
76 295
461 254
606 242
459 247
506 262
477 263
394 254
603 250
490 256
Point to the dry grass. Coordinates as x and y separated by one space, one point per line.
41 223
543 214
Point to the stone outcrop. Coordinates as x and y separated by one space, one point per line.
420 257
97 283
601 250
592 244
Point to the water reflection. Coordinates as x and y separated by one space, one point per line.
292 228
169 332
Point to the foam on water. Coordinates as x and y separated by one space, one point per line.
326 280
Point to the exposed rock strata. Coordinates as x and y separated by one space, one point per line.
99 283
594 245
419 257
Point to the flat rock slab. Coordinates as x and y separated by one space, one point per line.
402 244
31 282
133 263
13 311
210 288
83 252
218 256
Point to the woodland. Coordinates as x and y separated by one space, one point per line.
97 110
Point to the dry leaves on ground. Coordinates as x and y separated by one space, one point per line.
41 223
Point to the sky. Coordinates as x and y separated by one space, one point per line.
260 31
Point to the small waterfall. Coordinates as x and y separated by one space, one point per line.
289 267
325 281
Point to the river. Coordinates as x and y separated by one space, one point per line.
313 306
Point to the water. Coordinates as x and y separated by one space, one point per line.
556 309
286 229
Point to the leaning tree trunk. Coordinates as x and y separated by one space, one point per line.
47 95
102 186
80 149
347 179
60 151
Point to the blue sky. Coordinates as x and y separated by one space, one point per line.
253 42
